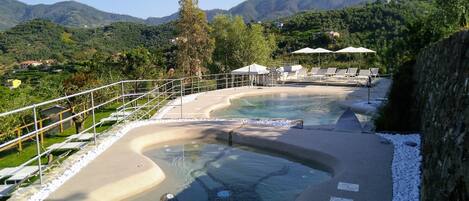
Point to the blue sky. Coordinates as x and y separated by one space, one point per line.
144 8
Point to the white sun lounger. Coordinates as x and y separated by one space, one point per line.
6 189
331 71
374 72
352 72
20 174
341 73
81 137
314 71
364 74
7 172
121 114
67 146
116 116
320 73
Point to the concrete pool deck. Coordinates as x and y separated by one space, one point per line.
123 171
200 106
361 164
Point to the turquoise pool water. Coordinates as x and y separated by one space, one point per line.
313 109
213 171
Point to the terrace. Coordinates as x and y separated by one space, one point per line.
132 116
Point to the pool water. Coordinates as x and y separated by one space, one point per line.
213 171
313 109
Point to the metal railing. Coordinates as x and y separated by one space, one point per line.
114 103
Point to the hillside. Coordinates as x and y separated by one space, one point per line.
259 10
378 26
74 14
39 39
272 9
375 26
67 13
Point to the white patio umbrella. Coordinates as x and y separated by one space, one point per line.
321 51
349 50
306 50
365 50
253 69
352 50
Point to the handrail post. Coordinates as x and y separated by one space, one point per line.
226 81
20 143
94 118
181 94
123 96
192 85
42 132
37 144
123 99
61 123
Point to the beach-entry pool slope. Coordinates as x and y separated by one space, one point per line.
213 171
314 109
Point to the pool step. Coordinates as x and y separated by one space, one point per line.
348 122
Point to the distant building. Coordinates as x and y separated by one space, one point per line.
27 64
48 62
334 34
13 83
280 25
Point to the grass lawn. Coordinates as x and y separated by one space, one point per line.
12 157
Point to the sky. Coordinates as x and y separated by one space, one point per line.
144 8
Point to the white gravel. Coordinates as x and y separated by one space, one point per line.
406 171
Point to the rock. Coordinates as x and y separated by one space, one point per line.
410 144
442 109
385 141
298 124
168 197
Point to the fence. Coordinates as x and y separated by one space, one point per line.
111 104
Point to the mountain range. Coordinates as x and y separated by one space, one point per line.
74 14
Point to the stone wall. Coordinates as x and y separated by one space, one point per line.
441 76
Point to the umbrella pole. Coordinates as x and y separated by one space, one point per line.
319 58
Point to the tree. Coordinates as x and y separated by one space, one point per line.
195 47
237 44
76 83
137 64
10 100
453 14
221 53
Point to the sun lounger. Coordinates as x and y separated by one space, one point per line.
375 72
8 172
67 146
5 190
21 174
314 71
320 74
364 74
121 114
352 72
341 73
81 137
331 71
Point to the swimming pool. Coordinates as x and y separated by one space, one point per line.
214 171
314 109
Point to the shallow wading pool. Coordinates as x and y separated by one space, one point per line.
214 171
314 109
